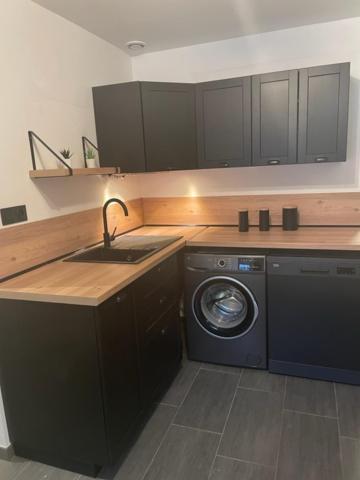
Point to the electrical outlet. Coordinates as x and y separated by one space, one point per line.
13 215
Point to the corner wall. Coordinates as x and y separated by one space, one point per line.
281 50
49 66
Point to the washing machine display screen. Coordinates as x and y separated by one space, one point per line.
244 267
252 264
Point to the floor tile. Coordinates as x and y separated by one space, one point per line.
141 454
39 471
10 469
252 432
309 448
262 380
310 396
185 454
222 368
182 383
350 452
230 469
348 399
208 402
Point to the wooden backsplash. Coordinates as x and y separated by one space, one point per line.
30 244
315 209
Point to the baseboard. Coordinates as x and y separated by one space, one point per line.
6 453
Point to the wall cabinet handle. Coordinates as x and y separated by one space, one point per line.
121 297
163 299
273 162
321 159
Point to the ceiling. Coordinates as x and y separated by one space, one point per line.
166 24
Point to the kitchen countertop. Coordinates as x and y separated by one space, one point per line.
305 238
92 283
89 283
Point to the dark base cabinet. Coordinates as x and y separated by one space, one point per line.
77 381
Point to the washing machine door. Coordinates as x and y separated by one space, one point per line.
224 307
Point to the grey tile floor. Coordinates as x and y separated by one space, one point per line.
225 423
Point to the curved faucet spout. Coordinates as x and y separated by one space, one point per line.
107 236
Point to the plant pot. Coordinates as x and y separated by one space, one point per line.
91 162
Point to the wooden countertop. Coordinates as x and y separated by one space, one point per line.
92 283
89 283
305 238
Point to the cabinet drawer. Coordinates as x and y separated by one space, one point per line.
157 303
146 285
160 353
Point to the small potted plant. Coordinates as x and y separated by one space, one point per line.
90 158
67 154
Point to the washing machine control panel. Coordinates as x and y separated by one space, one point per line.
242 264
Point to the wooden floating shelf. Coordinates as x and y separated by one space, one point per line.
63 172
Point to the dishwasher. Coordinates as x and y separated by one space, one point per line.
314 317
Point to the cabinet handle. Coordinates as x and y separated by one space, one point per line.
224 164
163 299
121 297
273 162
163 331
321 159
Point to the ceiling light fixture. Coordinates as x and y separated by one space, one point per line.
135 45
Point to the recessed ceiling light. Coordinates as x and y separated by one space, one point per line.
135 45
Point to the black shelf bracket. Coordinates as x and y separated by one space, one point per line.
32 137
85 140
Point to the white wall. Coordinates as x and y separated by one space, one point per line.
48 66
298 47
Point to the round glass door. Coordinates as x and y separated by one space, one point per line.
224 307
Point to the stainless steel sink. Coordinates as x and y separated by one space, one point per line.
125 249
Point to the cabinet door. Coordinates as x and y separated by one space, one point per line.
118 356
169 126
160 354
224 123
274 118
323 113
119 127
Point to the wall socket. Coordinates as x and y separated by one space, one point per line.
12 215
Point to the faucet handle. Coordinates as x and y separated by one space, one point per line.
113 234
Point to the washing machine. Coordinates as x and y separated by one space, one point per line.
225 309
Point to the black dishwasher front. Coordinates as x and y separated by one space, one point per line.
314 317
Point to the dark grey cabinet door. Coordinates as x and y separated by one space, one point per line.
119 367
323 113
274 118
169 126
119 126
224 123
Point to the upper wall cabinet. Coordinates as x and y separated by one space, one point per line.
224 123
119 126
274 119
169 126
146 126
296 116
323 113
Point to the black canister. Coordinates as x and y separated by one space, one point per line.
243 221
264 220
290 218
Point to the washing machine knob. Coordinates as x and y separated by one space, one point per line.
221 263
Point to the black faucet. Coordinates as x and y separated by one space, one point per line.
107 237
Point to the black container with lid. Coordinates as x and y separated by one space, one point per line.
290 218
243 221
264 219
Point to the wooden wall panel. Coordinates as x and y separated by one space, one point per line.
30 244
315 209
